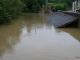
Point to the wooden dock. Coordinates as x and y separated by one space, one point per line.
59 19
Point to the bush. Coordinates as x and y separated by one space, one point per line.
60 6
34 8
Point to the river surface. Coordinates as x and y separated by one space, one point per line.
31 37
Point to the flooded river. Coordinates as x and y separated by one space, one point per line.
31 37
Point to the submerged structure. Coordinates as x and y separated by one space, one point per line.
60 19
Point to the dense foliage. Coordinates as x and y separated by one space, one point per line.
33 5
10 9
60 6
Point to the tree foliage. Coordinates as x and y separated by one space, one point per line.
9 9
60 6
33 5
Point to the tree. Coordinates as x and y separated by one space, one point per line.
33 5
10 9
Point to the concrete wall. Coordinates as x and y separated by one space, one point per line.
78 5
74 6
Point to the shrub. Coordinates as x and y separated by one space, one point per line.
56 5
33 6
60 6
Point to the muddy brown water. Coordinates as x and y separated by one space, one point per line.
31 37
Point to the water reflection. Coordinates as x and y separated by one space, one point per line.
10 34
72 31
35 21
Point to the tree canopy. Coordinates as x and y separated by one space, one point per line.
33 5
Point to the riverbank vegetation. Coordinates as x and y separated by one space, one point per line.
10 9
33 6
60 4
68 2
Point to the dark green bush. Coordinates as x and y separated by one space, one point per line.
33 6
